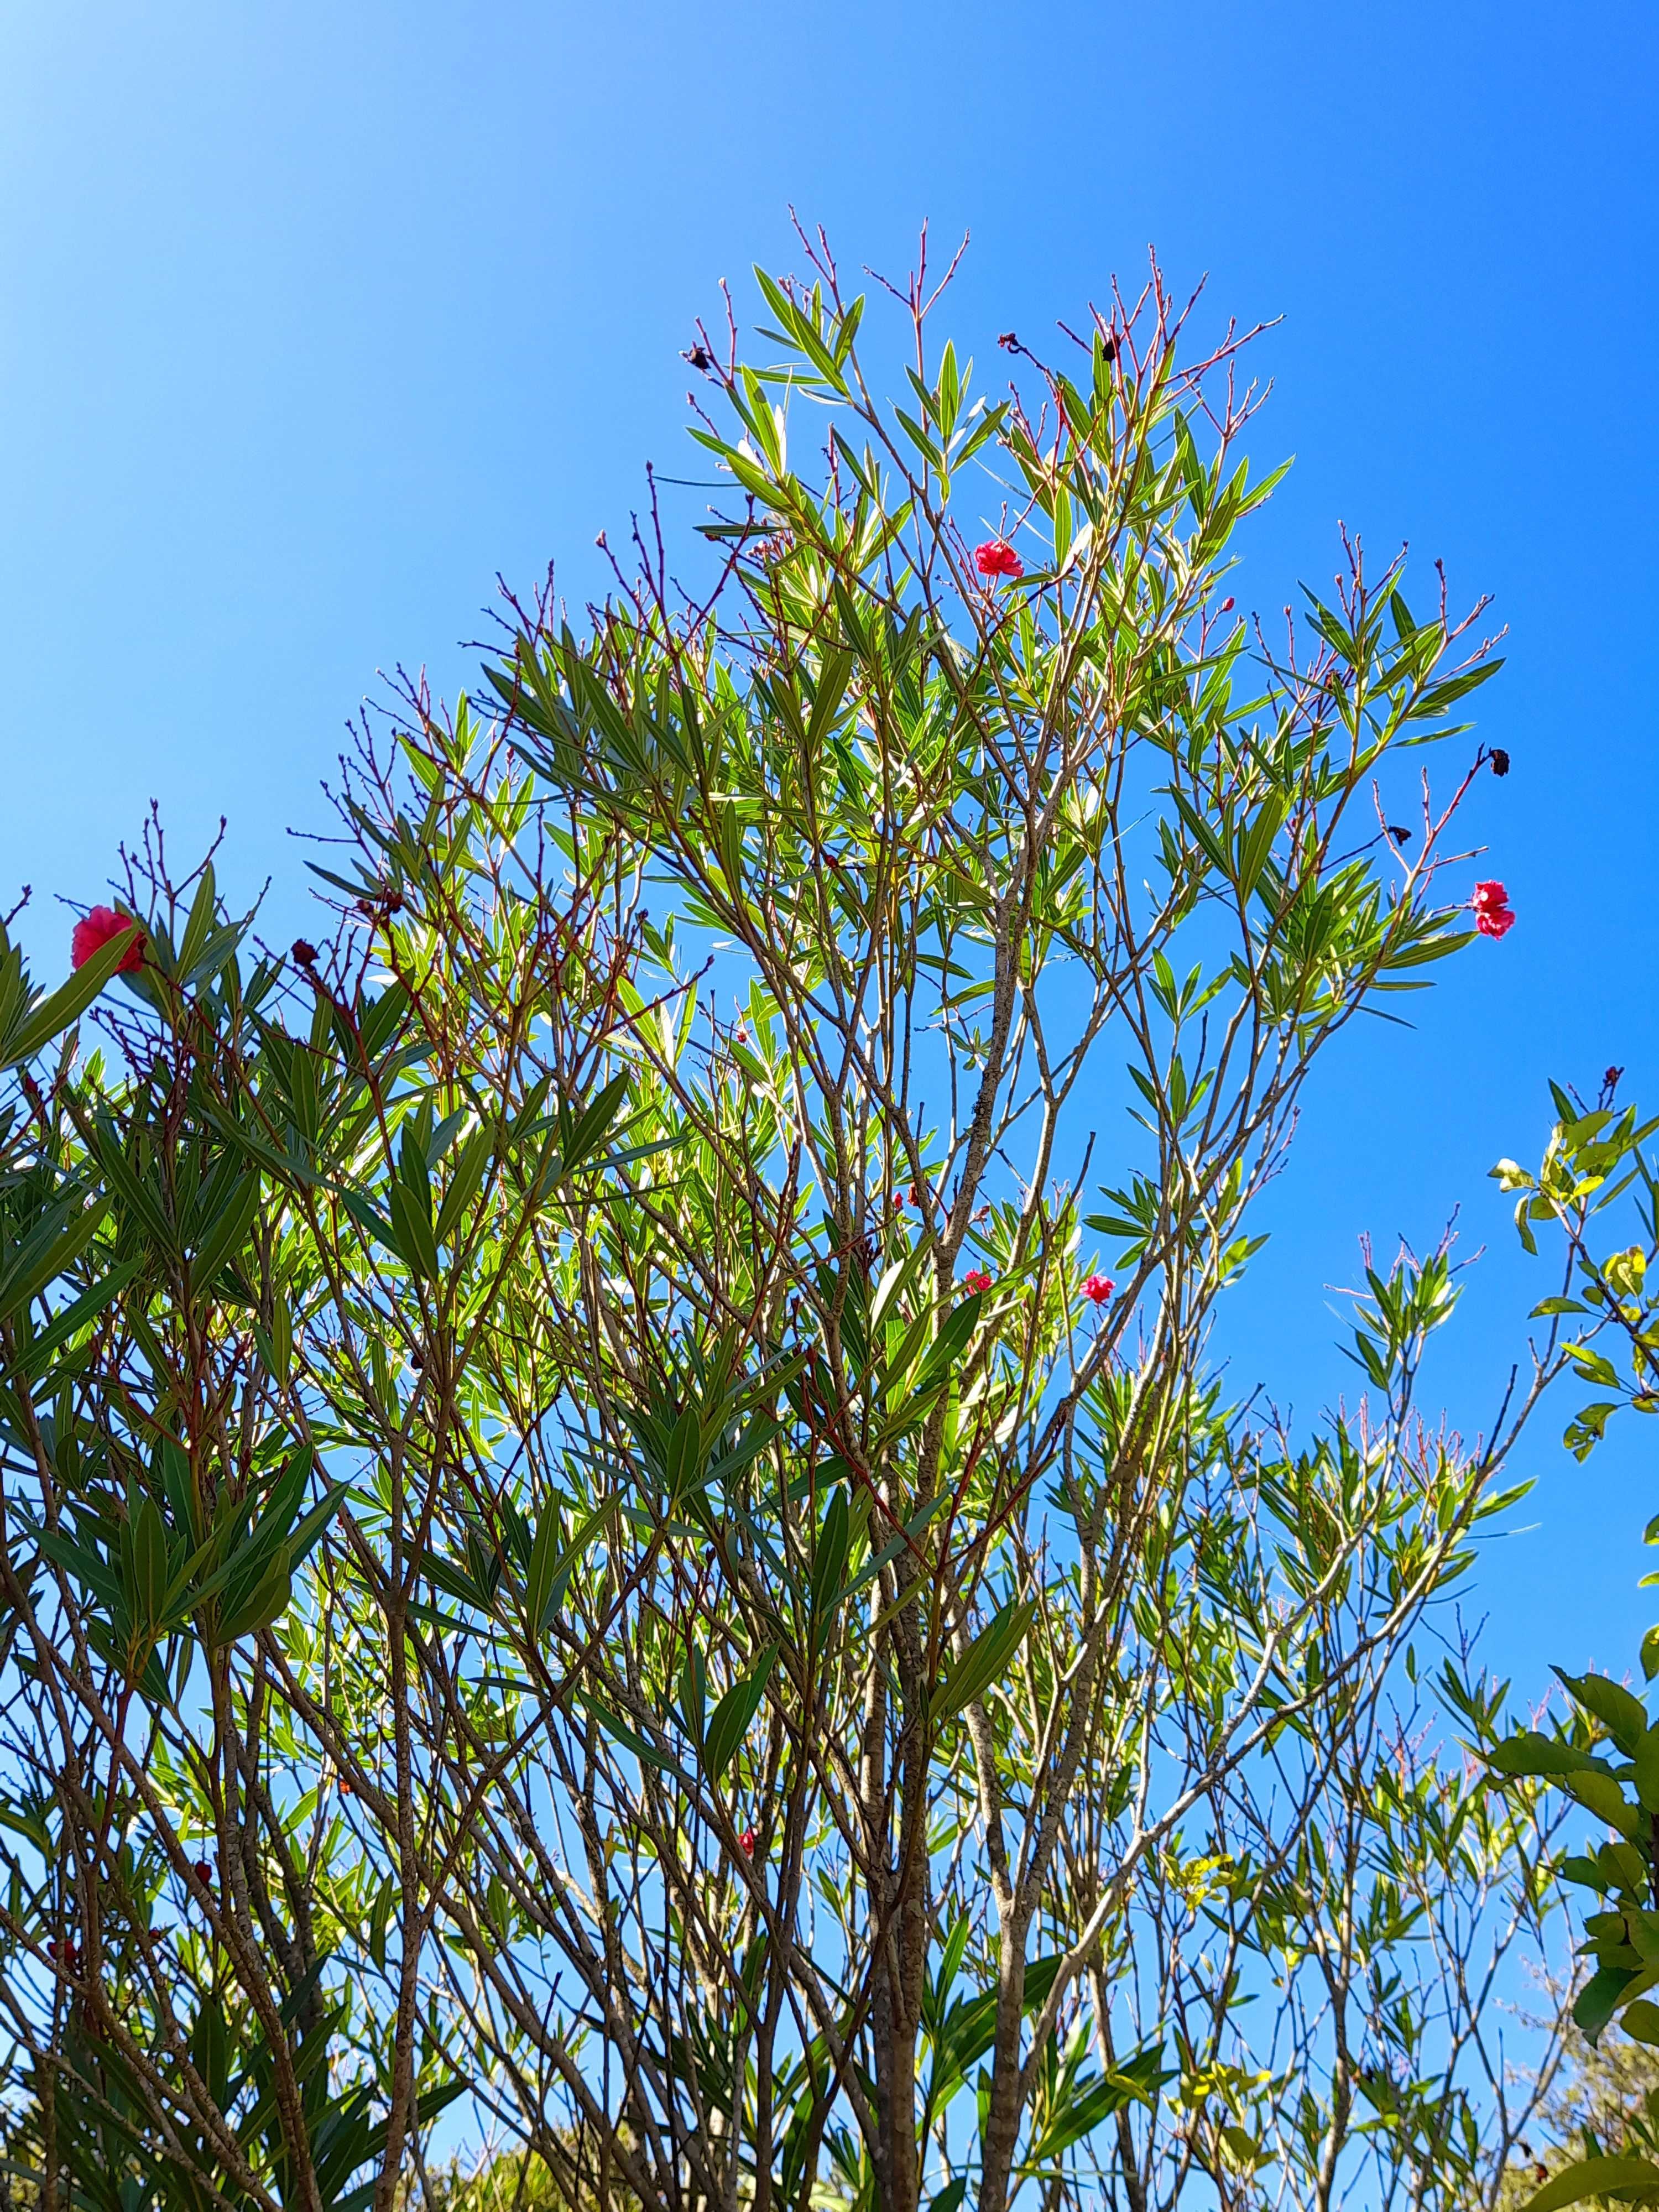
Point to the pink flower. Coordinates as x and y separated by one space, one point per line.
747 1839
95 931
1098 1289
1493 915
976 1281
997 557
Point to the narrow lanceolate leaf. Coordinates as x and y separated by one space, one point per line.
133 1192
224 1234
616 1727
148 1543
47 1017
1255 842
552 1560
830 1562
80 1557
50 1249
463 1184
729 1723
33 1357
985 1661
584 1131
251 1606
408 1203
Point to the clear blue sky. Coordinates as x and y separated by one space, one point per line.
317 315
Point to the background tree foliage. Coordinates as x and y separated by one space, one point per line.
1603 1754
574 1546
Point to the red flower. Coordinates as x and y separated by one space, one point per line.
997 557
95 931
1098 1289
976 1281
1226 607
747 1839
1493 915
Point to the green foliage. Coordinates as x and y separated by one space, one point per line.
530 1574
1603 1329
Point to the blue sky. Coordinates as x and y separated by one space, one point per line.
319 316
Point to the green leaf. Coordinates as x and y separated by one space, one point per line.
199 923
225 1233
1583 1432
48 1016
252 1608
32 1358
409 1204
149 1564
829 1562
683 1458
549 1568
1593 1366
1599 1999
728 1724
1257 842
986 1659
1601 1795
274 1540
302 1537
694 1677
1089 2103
1242 2144
538 1575
1636 2179
614 1726
83 1559
132 1193
1622 1715
1532 1752
971 2028
50 1249
470 1163
583 1131
1646 1757
938 1362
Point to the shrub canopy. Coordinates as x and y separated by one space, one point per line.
616 1507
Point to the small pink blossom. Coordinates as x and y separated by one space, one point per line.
1098 1289
747 1839
997 557
95 930
1493 915
976 1281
